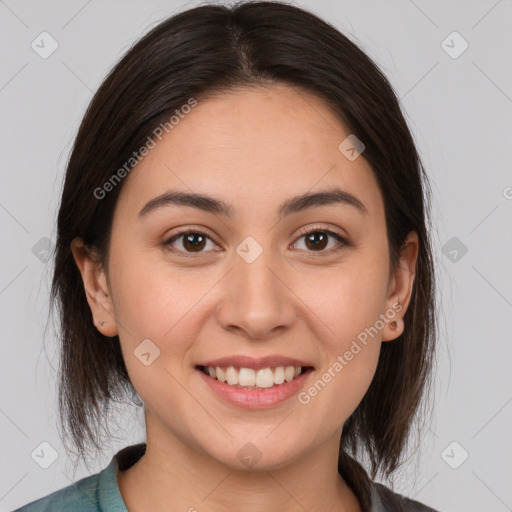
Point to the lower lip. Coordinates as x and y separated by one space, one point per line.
256 398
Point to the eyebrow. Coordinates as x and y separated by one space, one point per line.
293 205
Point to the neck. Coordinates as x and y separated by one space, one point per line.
172 475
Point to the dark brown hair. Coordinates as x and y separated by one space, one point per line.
207 50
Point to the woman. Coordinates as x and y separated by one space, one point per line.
242 243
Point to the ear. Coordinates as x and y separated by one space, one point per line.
96 288
400 287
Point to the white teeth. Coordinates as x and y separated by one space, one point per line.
265 378
279 375
231 376
248 377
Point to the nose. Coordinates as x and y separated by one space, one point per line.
255 300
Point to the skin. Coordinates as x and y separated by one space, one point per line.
253 148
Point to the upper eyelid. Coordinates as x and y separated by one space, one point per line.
325 229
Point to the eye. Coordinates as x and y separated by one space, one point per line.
317 239
193 241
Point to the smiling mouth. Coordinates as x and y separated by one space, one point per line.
249 378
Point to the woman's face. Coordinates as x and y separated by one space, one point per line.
249 284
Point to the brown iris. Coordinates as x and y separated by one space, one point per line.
194 242
318 240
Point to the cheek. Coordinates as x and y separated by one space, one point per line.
347 302
157 302
155 314
152 297
344 303
341 383
338 387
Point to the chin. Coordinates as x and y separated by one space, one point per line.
254 454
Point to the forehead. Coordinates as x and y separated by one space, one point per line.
253 147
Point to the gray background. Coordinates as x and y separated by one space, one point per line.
459 110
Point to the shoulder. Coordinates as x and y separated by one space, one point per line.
388 500
95 493
374 496
82 496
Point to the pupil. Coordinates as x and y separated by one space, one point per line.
317 244
189 240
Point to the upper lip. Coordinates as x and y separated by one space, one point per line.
241 361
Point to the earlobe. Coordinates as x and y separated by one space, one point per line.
95 287
400 289
394 328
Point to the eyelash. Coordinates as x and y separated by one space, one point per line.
304 232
